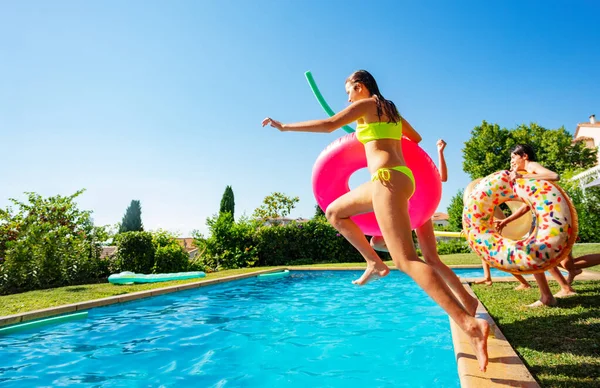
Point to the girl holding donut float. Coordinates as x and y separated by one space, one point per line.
552 233
380 129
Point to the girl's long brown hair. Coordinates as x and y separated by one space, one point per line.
384 106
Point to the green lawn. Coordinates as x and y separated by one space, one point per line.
561 345
40 299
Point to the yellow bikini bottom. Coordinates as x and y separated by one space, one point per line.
383 174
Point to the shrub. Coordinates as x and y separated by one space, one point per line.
49 242
453 246
135 252
170 258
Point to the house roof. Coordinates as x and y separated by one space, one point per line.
284 219
583 138
588 125
439 217
187 243
108 251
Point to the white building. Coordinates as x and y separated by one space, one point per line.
589 133
440 219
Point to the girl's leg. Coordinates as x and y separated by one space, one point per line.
587 261
570 266
390 202
487 275
546 297
338 214
428 245
524 283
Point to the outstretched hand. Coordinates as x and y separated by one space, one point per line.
273 123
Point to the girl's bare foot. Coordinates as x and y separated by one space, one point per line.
539 303
478 336
487 282
522 287
372 272
564 293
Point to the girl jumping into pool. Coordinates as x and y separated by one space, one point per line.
428 245
380 129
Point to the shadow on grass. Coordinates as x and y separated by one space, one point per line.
585 375
77 289
570 330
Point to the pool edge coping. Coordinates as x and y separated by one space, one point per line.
505 367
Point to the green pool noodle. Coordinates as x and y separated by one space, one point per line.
274 275
319 96
42 322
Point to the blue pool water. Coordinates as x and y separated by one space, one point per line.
478 273
308 329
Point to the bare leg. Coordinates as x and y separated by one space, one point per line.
487 274
390 202
428 245
565 287
587 261
338 214
524 283
546 297
570 266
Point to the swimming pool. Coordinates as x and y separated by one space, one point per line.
478 273
313 328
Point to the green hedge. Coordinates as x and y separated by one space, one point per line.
149 252
311 242
49 242
248 243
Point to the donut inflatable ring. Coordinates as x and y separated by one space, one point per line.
553 234
515 230
346 155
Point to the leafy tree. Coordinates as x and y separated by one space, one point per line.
587 205
488 149
276 205
132 220
455 210
318 212
227 201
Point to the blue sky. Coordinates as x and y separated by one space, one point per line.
162 101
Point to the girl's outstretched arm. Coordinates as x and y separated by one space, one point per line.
351 113
537 171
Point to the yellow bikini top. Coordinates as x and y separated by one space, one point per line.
379 130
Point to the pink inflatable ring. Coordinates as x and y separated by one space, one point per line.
346 155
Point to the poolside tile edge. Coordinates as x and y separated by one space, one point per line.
505 367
